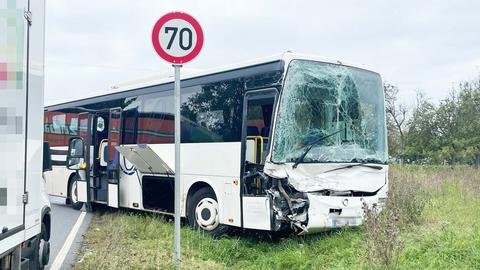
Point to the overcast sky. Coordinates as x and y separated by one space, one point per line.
416 45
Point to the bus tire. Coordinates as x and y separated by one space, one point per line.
72 191
203 213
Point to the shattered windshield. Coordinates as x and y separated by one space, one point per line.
342 104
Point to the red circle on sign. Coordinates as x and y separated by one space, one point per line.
156 40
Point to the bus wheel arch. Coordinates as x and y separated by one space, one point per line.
192 190
75 205
202 195
70 178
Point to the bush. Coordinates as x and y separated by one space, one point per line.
407 197
382 237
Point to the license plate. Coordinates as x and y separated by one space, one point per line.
342 222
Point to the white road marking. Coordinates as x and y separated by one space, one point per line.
57 263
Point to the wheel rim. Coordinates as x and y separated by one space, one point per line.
74 193
206 214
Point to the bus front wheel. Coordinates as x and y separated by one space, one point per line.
73 194
203 212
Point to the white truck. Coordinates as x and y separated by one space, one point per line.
24 206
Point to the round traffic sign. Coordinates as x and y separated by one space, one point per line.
177 37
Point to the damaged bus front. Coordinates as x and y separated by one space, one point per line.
328 157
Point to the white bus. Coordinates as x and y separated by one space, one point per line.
25 219
290 142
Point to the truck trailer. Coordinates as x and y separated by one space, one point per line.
24 206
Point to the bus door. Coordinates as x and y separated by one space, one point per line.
85 121
113 156
98 170
257 122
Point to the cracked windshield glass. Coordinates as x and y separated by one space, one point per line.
335 110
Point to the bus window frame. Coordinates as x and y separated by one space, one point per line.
260 93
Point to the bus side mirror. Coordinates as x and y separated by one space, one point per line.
76 154
47 157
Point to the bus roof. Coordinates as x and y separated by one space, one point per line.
157 80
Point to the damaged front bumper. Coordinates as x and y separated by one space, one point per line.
329 212
315 198
310 212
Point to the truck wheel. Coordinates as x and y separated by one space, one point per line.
41 251
203 213
72 194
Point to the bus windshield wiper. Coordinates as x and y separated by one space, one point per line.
376 167
310 146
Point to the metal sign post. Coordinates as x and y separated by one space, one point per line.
176 241
177 38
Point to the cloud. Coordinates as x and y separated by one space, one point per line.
418 45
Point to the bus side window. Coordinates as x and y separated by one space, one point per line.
213 112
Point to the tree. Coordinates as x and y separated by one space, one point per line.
420 138
449 132
396 114
467 128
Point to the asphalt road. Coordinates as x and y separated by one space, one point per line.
64 219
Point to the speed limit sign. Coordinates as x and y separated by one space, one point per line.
177 37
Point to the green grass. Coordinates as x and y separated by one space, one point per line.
448 236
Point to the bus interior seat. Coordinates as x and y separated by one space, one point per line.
265 131
252 131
